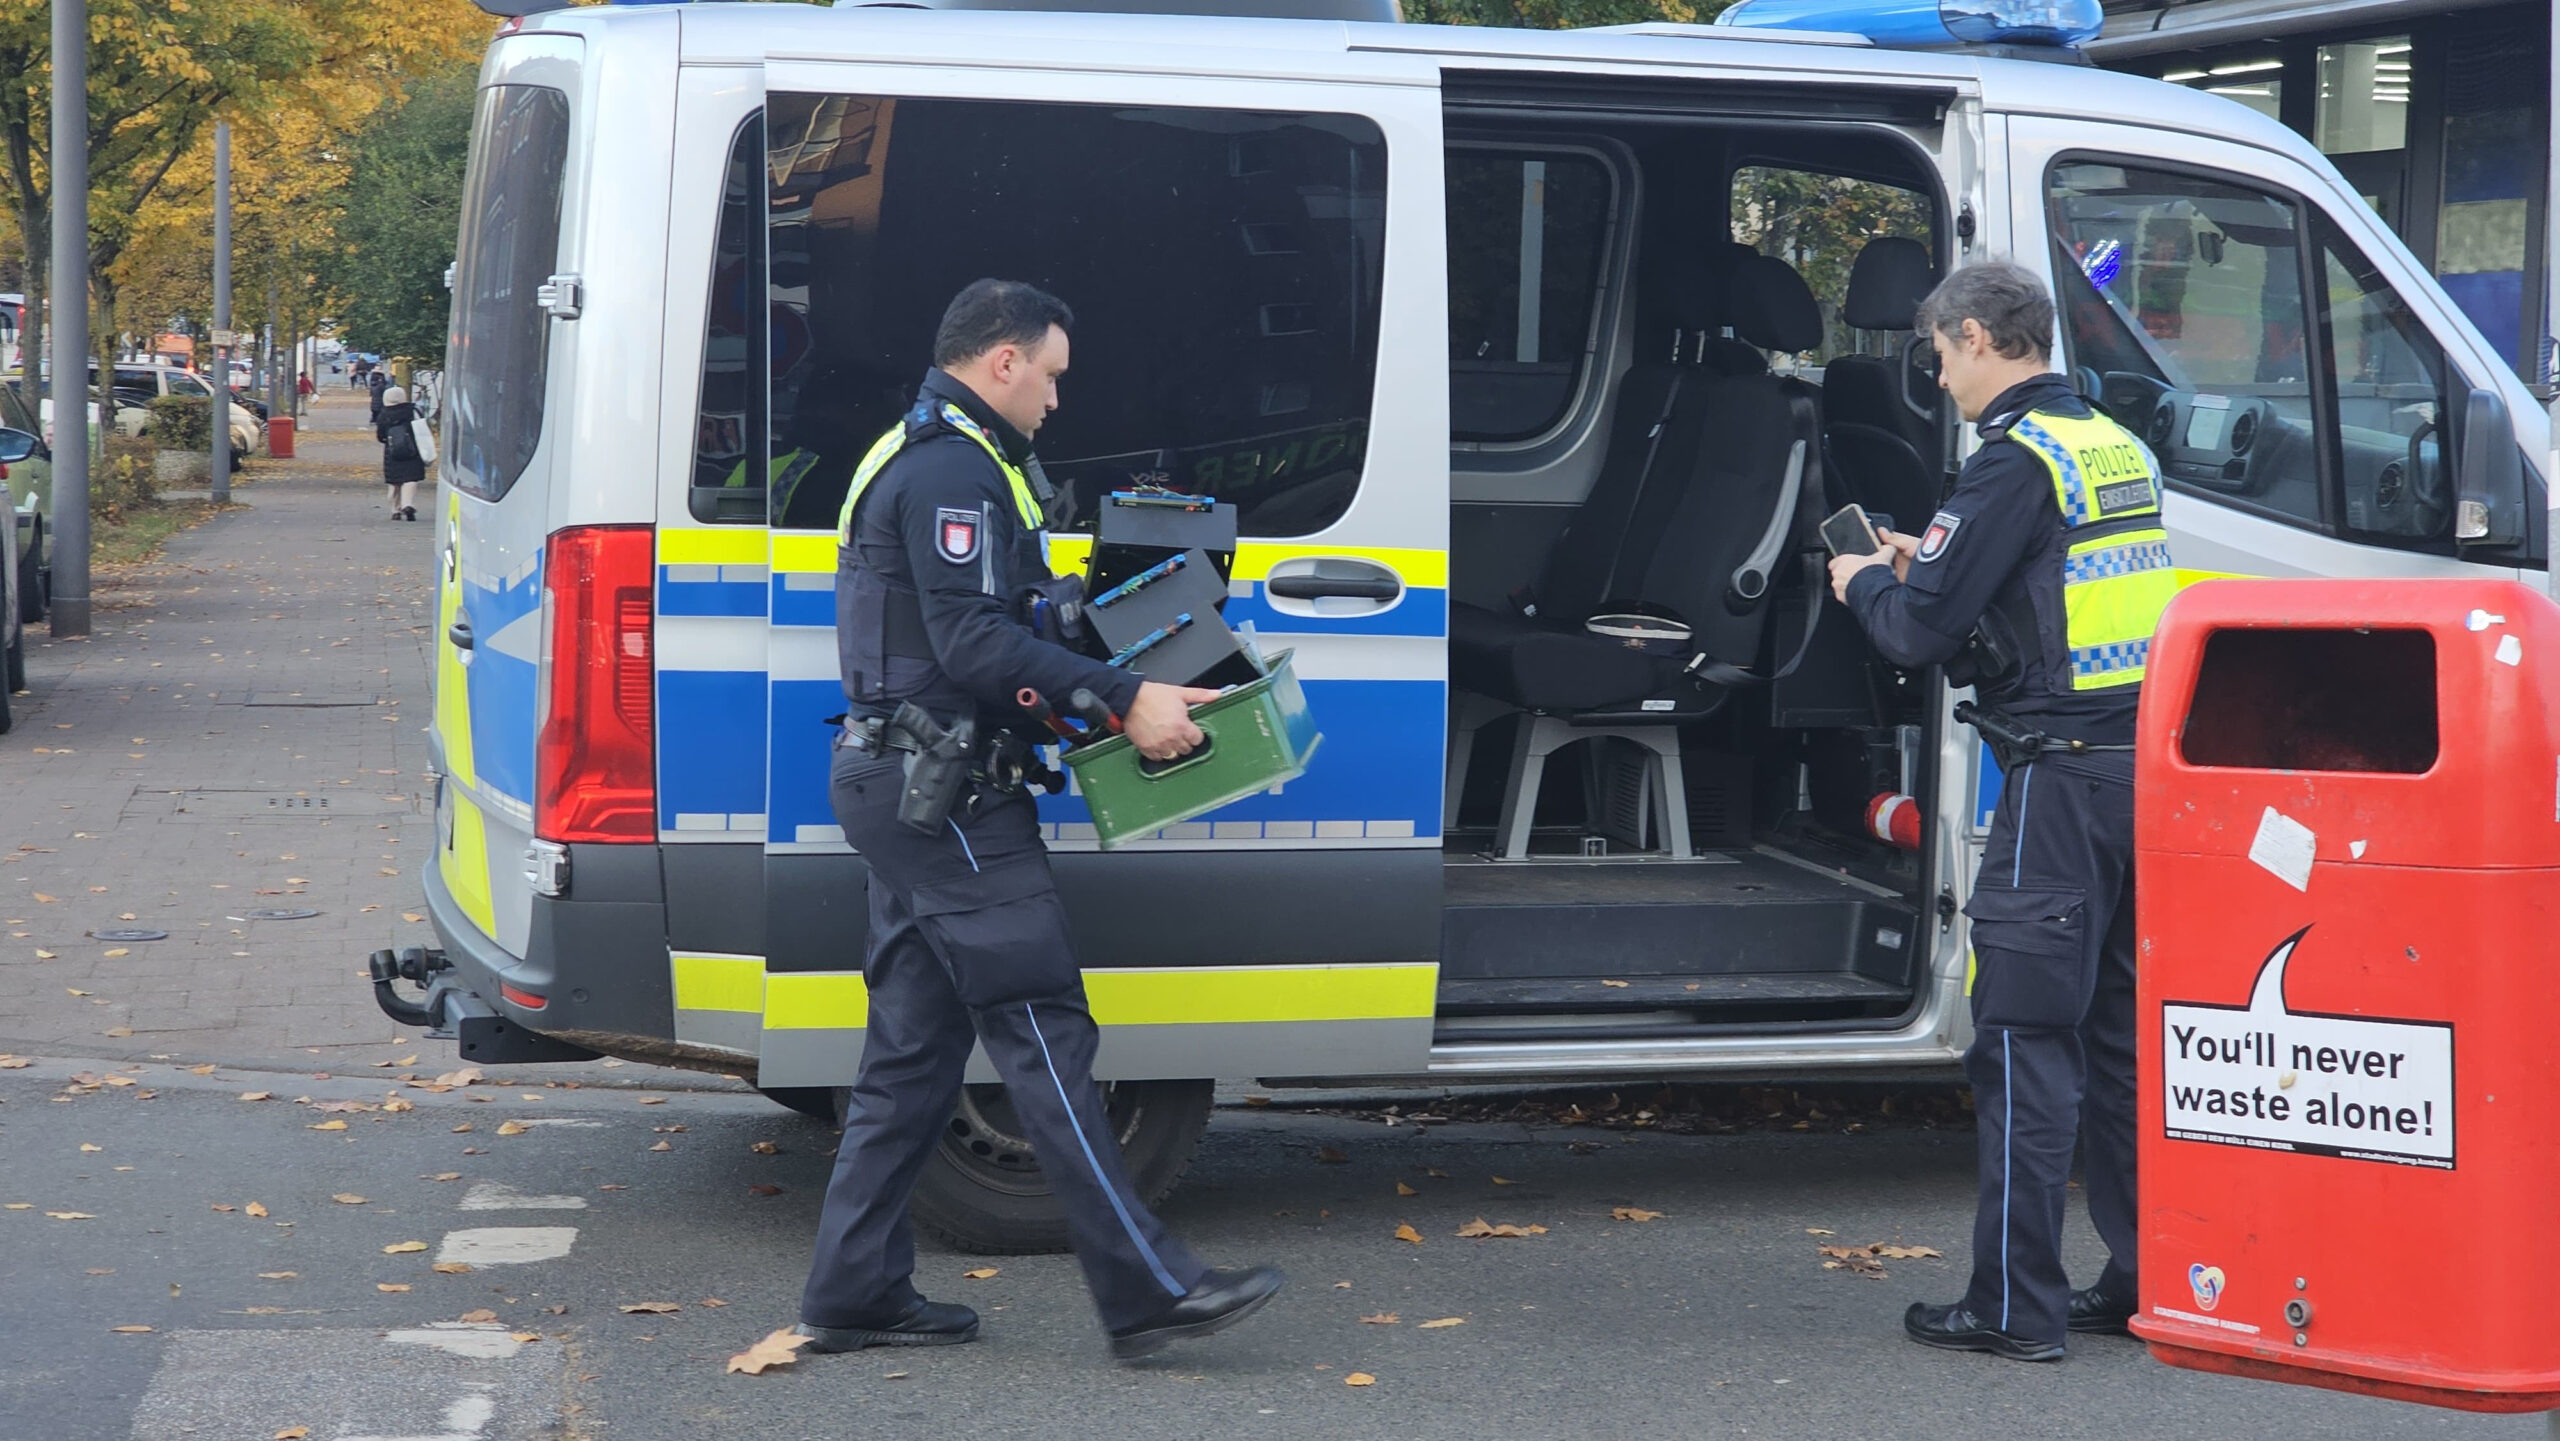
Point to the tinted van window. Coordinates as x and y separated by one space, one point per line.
1528 231
510 244
729 414
1223 266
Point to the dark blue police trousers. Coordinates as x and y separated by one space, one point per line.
2052 1053
969 944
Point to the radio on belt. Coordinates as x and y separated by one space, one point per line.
2348 840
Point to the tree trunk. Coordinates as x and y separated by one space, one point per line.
105 291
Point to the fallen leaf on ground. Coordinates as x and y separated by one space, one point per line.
653 1100
255 1209
1359 1378
257 1095
670 1130
206 1069
765 1148
650 1308
764 1190
14 1063
480 1317
1331 1156
1443 1322
664 1146
1383 1318
1618 985
45 955
71 1215
711 1301
446 1176
453 1268
895 1375
342 1107
465 1126
1406 1232
412 917
980 1274
293 1433
1818 1231
1404 1190
224 1206
1906 1253
348 1198
526 1337
776 1349
119 1033
1435 1173
122 951
1478 1229
463 1077
130 1330
1633 1213
102 1270
512 1128
403 1248
390 1286
327 1126
85 1146
119 1080
1504 1181
277 1275
395 1104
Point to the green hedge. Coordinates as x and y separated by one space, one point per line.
182 422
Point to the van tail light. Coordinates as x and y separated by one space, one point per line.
595 763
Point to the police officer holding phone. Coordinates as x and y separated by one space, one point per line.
942 574
2039 583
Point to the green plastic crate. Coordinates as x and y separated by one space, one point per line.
1259 735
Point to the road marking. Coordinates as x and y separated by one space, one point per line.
476 1340
499 1196
507 1245
464 1420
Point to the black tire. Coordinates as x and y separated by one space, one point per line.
15 679
982 1192
17 657
32 575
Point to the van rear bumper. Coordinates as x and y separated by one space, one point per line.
596 959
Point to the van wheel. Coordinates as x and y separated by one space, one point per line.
33 575
982 1191
17 669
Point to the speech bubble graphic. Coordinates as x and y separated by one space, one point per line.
2267 1077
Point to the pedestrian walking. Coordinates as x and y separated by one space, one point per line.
302 385
377 383
402 464
940 556
2039 584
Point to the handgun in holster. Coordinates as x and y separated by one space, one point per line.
937 770
2013 743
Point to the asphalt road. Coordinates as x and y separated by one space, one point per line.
1717 1319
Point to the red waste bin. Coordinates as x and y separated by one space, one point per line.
2348 839
280 437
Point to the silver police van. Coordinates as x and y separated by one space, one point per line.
1530 360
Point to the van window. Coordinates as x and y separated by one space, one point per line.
510 245
1818 223
729 417
1528 236
2388 375
1223 265
2182 305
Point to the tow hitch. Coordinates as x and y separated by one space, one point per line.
451 1011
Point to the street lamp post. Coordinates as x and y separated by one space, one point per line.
221 312
70 318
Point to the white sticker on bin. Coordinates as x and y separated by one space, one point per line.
2275 1079
2510 650
2284 846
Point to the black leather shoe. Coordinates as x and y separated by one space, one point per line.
927 1323
1218 1302
2095 1313
1953 1328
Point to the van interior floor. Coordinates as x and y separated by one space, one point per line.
1735 935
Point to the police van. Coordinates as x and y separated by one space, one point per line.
1531 361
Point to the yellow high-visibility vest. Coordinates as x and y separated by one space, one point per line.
2116 573
886 449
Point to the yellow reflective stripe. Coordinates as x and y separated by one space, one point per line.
874 460
1421 569
1224 995
804 552
465 863
816 1001
453 678
726 545
719 983
1212 995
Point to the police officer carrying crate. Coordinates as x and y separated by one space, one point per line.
2039 584
941 578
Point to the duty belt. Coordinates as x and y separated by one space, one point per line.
1004 763
2014 743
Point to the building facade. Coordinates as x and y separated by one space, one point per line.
2440 113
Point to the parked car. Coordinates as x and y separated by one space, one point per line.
248 424
16 447
27 486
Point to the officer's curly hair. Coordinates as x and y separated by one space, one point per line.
2006 300
989 313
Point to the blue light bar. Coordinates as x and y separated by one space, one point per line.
1929 24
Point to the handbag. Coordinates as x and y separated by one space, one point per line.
423 436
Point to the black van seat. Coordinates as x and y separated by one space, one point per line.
1881 445
1721 494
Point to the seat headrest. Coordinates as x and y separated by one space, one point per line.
1890 279
1690 298
1772 307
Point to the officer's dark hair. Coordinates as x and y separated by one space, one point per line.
2007 301
989 313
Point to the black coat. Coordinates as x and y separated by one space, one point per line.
400 459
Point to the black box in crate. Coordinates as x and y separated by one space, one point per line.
1163 623
1138 529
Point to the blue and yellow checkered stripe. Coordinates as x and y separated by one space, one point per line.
2114 560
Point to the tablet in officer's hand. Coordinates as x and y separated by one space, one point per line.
1847 531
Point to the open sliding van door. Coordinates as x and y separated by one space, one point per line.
1255 268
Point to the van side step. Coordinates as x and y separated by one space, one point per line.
1792 989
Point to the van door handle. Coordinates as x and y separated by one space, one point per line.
460 634
1320 587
